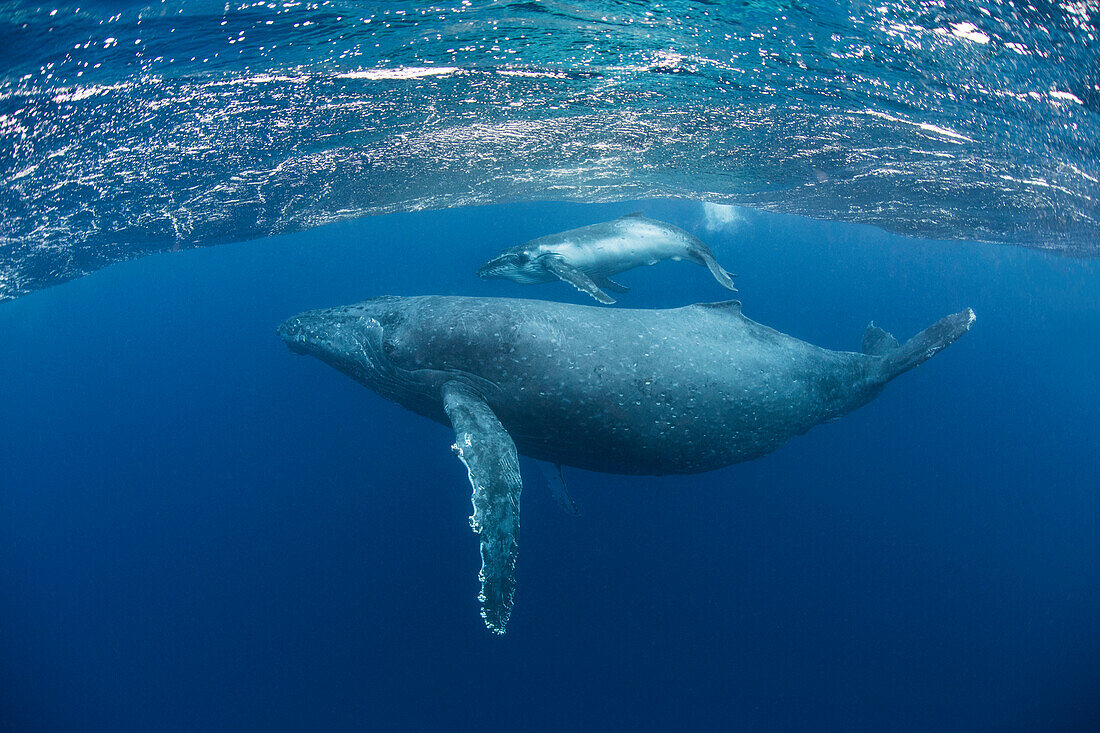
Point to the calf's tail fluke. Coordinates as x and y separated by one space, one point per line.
919 349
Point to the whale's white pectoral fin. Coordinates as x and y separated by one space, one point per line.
556 483
577 278
489 454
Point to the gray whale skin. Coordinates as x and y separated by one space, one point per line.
654 392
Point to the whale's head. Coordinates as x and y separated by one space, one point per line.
369 341
520 264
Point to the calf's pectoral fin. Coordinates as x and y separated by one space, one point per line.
702 254
577 278
608 284
489 454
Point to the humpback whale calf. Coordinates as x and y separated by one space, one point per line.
655 392
587 257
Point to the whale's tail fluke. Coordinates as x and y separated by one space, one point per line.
917 350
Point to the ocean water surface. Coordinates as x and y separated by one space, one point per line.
201 531
128 128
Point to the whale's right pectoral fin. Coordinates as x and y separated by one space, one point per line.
578 278
556 482
489 454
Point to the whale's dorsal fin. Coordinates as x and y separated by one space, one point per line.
489 454
576 277
877 342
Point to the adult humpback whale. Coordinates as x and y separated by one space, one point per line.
622 391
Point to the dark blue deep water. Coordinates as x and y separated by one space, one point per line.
201 531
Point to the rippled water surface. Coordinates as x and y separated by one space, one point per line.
132 128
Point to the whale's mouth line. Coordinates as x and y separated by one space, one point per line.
356 347
294 336
491 269
318 333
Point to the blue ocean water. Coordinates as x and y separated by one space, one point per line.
202 531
